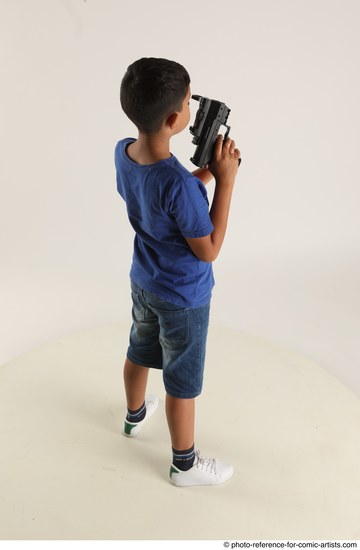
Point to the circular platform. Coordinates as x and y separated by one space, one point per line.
290 429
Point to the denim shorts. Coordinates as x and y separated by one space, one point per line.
165 336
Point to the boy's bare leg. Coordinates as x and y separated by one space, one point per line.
135 379
180 415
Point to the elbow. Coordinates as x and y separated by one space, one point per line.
209 258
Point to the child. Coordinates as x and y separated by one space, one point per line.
176 240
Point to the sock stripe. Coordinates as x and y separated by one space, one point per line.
184 460
182 455
136 416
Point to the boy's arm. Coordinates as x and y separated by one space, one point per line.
224 167
203 174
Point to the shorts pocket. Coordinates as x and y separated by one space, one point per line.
138 310
174 328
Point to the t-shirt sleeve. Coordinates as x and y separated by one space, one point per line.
189 206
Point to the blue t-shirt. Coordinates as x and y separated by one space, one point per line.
165 204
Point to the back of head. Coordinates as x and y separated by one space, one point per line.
152 89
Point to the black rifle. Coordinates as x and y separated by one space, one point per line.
210 116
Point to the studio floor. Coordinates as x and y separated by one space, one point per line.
291 430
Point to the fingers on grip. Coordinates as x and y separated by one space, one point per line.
218 145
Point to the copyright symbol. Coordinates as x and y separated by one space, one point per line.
226 544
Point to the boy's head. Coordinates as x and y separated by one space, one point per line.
151 90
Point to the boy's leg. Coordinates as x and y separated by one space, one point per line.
140 408
189 467
180 415
144 349
135 380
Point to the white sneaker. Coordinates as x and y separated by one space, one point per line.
205 471
132 428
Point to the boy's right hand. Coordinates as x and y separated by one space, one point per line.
225 162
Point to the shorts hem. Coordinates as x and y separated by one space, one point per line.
182 395
143 363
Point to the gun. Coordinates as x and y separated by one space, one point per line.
210 115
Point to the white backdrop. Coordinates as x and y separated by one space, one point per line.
289 70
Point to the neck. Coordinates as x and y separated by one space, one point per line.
150 148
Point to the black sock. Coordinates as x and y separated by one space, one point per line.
136 416
184 460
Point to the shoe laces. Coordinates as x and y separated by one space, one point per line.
204 463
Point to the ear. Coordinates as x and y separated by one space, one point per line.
172 120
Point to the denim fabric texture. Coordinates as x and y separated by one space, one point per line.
165 336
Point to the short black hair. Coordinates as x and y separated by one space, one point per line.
151 89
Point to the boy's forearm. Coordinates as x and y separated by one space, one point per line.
219 214
203 174
207 248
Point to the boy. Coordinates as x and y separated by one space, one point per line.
176 240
